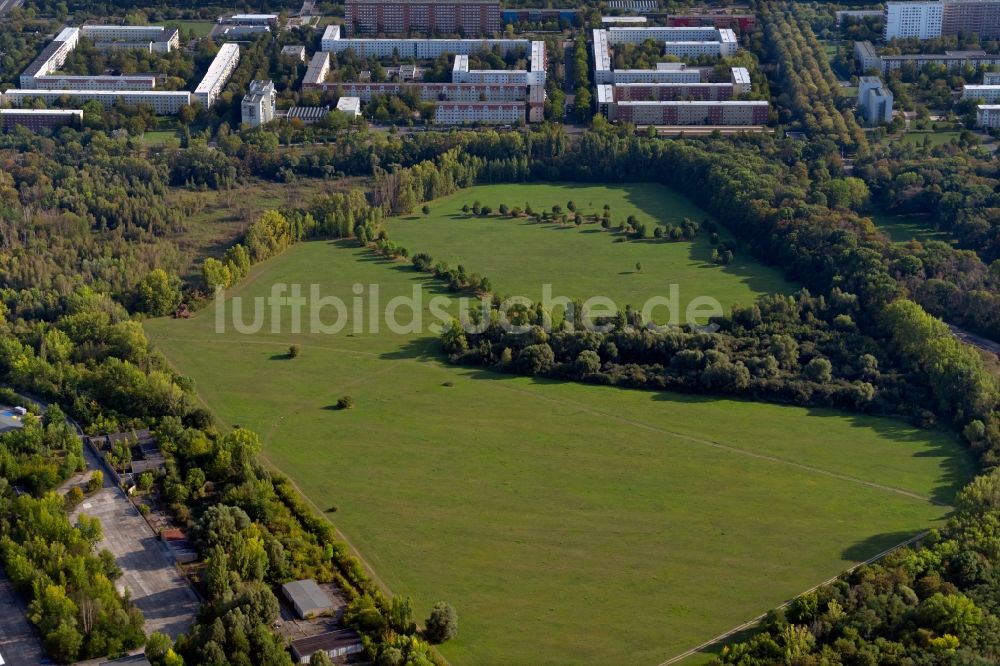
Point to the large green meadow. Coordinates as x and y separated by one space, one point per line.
567 523
520 256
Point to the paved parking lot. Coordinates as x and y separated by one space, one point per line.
162 594
19 642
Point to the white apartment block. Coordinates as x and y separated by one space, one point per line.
218 74
126 82
155 38
452 113
867 57
415 48
430 92
988 116
989 94
741 80
874 100
318 70
665 72
991 78
922 20
460 73
258 105
52 57
251 19
163 102
695 49
685 41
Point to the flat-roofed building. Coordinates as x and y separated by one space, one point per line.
665 92
693 113
953 60
295 52
154 38
52 57
988 116
339 645
350 106
867 57
333 42
319 69
874 100
251 19
665 72
308 598
741 80
36 119
733 21
258 104
163 102
218 74
991 78
979 17
988 94
494 113
466 17
922 20
623 20
127 82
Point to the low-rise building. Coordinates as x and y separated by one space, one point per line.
52 57
308 114
495 113
991 78
295 52
689 112
258 105
152 38
318 70
953 60
988 116
270 20
338 645
333 42
127 82
218 74
163 102
36 119
351 106
988 94
307 598
866 57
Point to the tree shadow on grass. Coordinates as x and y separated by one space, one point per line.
957 465
875 544
417 349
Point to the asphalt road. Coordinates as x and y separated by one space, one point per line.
19 643
157 588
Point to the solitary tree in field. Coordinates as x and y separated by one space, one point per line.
638 267
426 209
465 209
442 625
294 351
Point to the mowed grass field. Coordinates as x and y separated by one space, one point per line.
520 256
567 523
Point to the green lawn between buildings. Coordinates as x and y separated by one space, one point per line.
567 523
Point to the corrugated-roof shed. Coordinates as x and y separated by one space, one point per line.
307 597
